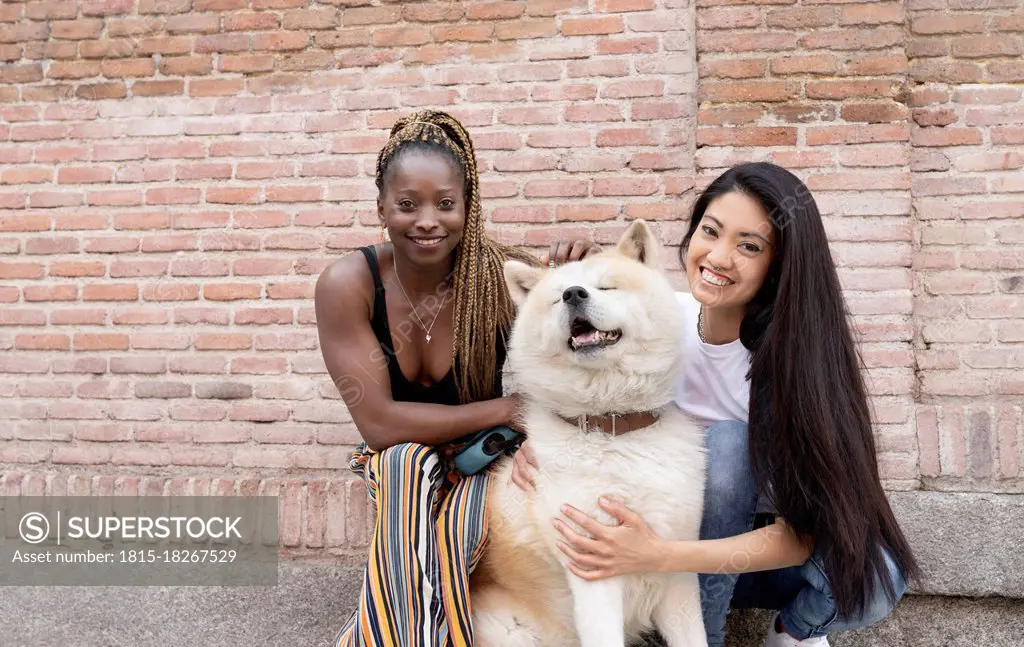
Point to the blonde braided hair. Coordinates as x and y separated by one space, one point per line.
483 308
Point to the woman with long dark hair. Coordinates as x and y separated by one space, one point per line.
773 372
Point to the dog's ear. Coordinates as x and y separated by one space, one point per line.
638 242
520 279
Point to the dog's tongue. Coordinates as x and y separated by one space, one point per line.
587 337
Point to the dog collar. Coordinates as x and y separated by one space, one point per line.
614 424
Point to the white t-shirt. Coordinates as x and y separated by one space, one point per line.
714 383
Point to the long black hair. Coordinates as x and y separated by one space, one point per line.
809 422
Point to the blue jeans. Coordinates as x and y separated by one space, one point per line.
801 593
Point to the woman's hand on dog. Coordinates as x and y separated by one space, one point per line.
630 547
524 467
565 251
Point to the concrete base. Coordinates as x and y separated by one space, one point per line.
311 602
968 545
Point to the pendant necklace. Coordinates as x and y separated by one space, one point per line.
426 329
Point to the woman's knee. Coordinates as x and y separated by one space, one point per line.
881 605
408 463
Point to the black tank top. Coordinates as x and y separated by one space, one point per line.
444 391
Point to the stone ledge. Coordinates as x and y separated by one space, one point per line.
311 601
967 544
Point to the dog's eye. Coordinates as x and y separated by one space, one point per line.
605 287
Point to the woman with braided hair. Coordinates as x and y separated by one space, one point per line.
419 366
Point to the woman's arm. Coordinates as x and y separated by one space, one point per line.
632 547
359 370
767 548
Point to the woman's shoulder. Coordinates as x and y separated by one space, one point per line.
350 270
345 283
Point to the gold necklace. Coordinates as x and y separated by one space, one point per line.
426 329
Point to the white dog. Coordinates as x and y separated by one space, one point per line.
596 344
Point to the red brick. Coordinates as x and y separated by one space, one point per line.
618 46
946 137
221 43
471 33
884 112
986 46
525 29
861 134
76 29
521 162
837 90
371 15
182 66
555 188
879 65
586 212
872 14
163 6
558 139
801 17
941 23
230 292
77 269
1011 71
170 45
42 342
45 10
590 26
729 18
173 196
100 341
593 112
133 67
48 245
503 10
523 214
734 68
815 64
736 42
744 91
280 41
944 71
440 12
35 293
746 136
854 39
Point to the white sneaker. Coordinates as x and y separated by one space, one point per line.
775 639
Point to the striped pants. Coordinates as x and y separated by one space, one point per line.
429 535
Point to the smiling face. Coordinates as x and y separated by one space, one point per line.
423 205
730 251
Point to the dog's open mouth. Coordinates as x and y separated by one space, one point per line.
582 334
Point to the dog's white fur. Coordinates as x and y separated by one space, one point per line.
521 594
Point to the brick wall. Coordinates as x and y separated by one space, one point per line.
967 131
176 173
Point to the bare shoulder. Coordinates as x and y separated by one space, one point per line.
345 287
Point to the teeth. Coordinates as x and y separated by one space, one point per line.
594 337
426 241
714 280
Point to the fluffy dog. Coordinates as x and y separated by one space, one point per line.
592 339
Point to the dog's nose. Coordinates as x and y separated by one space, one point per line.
575 295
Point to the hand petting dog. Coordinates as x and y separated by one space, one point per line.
630 547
